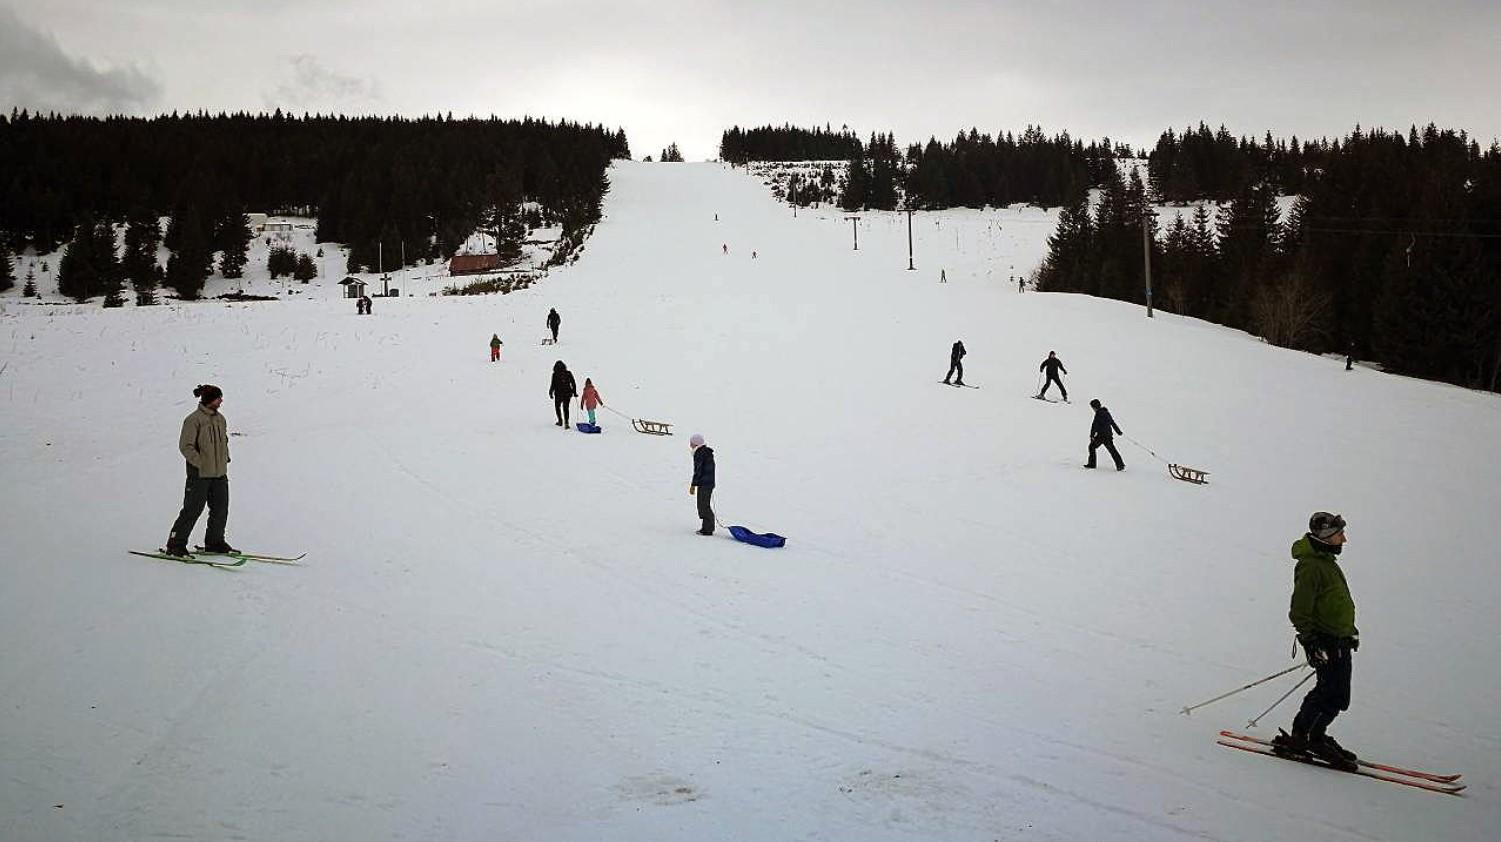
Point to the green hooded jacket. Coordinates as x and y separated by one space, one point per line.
1321 603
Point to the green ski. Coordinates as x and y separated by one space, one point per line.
189 559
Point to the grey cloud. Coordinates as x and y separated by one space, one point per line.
36 73
313 87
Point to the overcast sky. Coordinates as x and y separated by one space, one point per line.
683 71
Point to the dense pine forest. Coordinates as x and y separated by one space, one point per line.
426 183
974 170
1391 251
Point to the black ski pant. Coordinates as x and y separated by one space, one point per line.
1053 378
554 329
954 366
705 510
1330 695
560 406
213 492
1109 444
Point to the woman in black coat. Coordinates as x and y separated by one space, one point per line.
562 390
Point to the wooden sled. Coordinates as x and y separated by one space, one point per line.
651 428
1193 475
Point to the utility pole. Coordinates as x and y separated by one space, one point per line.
1146 253
910 267
855 226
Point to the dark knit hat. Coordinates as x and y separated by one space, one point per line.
208 393
1323 525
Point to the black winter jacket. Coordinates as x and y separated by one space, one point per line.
563 386
1052 365
1103 424
703 467
957 353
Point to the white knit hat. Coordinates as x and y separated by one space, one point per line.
696 440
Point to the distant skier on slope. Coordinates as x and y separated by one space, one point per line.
702 484
204 444
554 321
495 344
590 399
562 391
1052 365
1323 613
956 364
1101 434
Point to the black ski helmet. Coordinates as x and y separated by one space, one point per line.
1323 525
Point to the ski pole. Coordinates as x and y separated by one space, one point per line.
1252 723
1192 708
1039 382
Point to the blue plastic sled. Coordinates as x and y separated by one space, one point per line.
769 539
586 427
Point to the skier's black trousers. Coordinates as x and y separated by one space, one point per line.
1329 696
560 406
955 365
705 511
214 492
1053 378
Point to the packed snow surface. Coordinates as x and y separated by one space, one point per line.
506 631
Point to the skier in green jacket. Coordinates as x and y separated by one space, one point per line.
1323 612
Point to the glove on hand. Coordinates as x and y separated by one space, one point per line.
1317 650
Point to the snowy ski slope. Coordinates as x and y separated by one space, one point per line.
507 632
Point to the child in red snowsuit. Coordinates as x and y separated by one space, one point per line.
494 347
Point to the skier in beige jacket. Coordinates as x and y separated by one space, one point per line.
204 443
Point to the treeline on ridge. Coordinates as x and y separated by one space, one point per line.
371 181
1391 251
973 170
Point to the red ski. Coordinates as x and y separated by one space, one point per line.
1398 770
1416 783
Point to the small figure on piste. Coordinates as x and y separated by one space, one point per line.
1323 613
204 445
702 484
1102 434
1052 365
562 391
554 321
590 400
956 364
495 344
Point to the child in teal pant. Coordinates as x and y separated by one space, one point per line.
590 399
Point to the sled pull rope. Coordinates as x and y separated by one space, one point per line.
1144 447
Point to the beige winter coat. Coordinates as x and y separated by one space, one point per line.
205 442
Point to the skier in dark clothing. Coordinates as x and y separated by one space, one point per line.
1102 434
204 445
554 321
562 390
1052 365
702 485
956 355
1323 612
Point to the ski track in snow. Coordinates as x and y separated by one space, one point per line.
500 632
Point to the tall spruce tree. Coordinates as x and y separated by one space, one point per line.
7 268
306 269
139 264
856 183
188 268
76 276
107 263
232 237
